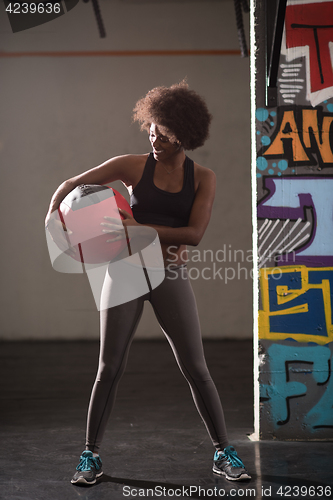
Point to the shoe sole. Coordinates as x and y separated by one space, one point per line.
242 477
82 480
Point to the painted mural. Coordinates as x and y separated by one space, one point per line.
295 231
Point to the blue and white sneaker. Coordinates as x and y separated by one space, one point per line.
88 470
228 463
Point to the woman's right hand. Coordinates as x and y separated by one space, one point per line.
59 233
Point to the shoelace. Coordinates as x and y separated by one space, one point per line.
231 455
86 463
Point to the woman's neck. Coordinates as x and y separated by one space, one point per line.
174 161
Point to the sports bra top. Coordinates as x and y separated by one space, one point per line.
152 205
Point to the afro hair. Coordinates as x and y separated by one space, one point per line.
181 113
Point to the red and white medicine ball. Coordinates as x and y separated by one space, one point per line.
82 211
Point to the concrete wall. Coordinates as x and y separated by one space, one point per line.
66 106
295 227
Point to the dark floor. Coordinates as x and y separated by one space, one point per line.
156 445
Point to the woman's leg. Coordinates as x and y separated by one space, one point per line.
175 308
118 325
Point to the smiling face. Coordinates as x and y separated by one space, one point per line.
163 148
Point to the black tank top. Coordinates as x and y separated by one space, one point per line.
152 205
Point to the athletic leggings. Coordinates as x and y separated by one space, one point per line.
175 308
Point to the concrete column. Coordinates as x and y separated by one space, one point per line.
292 138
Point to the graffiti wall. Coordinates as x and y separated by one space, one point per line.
294 144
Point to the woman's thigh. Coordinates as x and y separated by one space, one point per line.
118 325
176 310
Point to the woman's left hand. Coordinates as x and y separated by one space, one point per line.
128 219
117 227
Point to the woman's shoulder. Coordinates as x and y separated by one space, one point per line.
203 175
130 159
130 167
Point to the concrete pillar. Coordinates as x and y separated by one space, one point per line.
292 156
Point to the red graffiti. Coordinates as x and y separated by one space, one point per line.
312 25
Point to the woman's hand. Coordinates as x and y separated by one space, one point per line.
117 227
59 233
128 219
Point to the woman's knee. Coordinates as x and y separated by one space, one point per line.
109 372
197 372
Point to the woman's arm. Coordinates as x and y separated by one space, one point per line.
117 168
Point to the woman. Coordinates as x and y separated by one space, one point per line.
174 195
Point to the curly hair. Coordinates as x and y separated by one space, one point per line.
181 114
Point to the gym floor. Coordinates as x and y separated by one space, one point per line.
156 445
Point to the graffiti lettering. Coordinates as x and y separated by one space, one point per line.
294 144
281 389
321 415
299 134
298 305
309 33
288 198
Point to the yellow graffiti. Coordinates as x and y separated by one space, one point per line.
313 135
285 295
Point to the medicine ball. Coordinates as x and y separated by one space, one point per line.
82 211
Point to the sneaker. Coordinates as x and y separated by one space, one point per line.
88 470
228 463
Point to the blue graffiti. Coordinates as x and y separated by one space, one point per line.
281 388
321 415
308 310
262 114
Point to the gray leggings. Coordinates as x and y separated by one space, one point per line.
175 308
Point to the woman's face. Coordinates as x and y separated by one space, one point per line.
163 148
